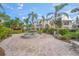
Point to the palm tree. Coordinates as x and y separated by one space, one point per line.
56 15
4 19
1 8
26 21
58 8
33 16
4 16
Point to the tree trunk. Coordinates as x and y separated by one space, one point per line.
55 18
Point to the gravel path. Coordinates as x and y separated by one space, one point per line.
41 45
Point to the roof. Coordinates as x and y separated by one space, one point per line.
64 17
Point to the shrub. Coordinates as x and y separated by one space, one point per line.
47 30
77 34
17 31
71 35
51 30
40 30
4 32
63 31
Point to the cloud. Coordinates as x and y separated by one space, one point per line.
19 8
12 8
54 4
9 7
23 17
20 4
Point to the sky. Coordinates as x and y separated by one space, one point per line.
21 10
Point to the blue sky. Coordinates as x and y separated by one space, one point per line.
21 10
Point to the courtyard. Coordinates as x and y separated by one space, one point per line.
42 45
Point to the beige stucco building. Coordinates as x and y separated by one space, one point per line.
66 23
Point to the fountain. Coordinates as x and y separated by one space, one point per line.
30 34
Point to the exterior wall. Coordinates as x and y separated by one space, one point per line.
66 24
76 24
44 24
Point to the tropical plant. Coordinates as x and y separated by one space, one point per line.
75 10
33 16
63 31
4 32
26 21
16 24
56 16
1 8
4 17
42 20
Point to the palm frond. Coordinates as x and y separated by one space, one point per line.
75 10
59 7
2 8
63 13
51 13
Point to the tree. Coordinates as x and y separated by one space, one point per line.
15 24
2 8
33 16
4 17
56 16
26 21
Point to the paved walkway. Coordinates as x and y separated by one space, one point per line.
42 45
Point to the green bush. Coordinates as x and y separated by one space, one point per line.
77 34
68 34
17 31
51 30
63 31
71 35
40 30
4 32
47 30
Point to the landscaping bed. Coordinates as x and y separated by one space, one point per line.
5 32
62 34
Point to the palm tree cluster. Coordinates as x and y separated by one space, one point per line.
33 17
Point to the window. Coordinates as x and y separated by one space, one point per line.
66 22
